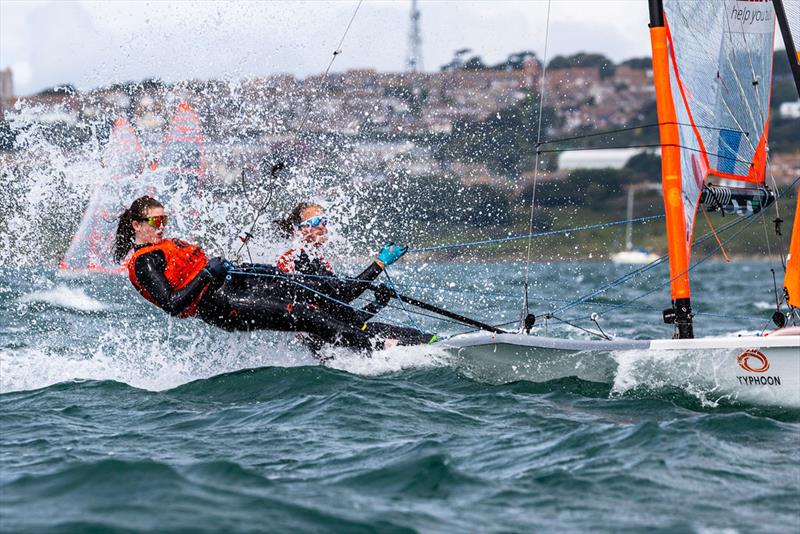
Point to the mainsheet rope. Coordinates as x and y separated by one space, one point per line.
549 315
641 270
750 220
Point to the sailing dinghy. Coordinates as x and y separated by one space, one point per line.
179 176
712 64
91 247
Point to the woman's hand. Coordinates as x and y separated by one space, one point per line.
218 268
390 253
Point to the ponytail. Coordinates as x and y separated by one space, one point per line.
125 234
287 226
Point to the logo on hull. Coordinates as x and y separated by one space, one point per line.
753 360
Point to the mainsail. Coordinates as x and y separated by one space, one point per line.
712 64
91 247
788 13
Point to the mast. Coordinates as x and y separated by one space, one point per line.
788 42
791 280
681 312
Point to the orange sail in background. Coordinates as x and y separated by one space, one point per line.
178 177
91 247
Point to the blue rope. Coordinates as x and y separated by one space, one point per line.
611 306
641 270
394 288
751 218
540 234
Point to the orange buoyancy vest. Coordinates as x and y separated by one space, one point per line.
184 263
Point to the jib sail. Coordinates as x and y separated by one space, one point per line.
91 247
712 66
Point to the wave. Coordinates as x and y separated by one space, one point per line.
69 298
164 359
148 495
418 474
321 393
156 362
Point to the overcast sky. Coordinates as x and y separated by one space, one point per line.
94 43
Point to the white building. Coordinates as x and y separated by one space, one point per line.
6 84
790 110
614 158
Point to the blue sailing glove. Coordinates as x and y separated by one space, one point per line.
390 253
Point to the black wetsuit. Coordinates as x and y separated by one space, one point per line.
260 297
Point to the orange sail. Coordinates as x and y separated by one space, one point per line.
791 280
91 247
178 177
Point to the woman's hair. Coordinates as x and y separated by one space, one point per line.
289 224
125 234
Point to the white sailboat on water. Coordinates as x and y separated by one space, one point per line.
632 256
712 64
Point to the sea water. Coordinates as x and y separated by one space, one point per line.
115 417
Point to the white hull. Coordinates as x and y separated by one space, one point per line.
760 370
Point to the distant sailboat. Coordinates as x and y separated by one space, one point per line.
176 180
179 174
90 248
631 256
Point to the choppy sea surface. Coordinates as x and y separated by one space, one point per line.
114 417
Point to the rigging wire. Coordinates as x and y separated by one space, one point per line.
281 164
337 51
524 311
750 219
529 236
630 129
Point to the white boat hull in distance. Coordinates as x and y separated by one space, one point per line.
634 257
751 369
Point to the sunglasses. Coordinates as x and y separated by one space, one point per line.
158 221
313 222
